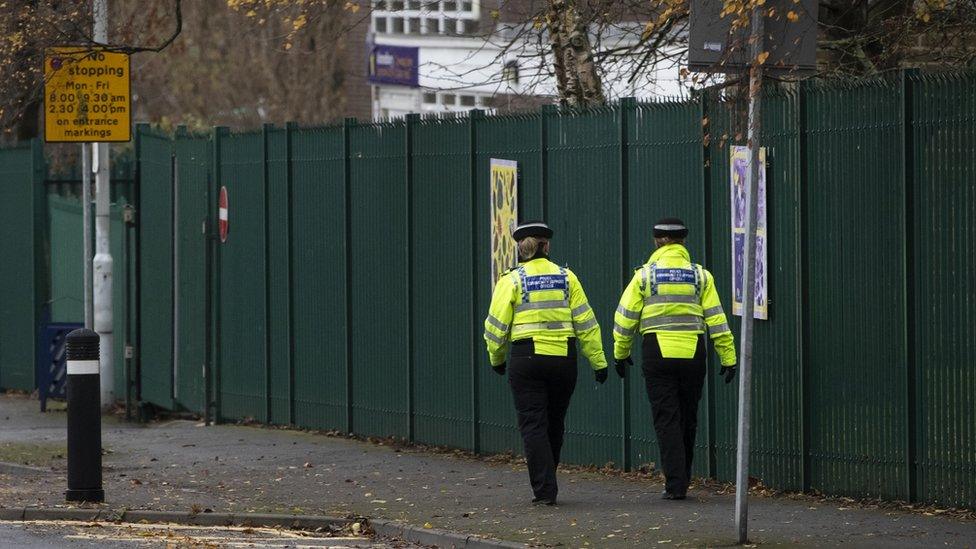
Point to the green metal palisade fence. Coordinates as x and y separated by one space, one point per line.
24 261
154 158
350 293
941 168
856 289
353 284
41 274
66 268
318 263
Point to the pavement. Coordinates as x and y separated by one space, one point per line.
186 467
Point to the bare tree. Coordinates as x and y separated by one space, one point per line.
29 27
586 48
244 62
216 61
870 37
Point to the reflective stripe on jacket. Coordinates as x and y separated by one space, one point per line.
545 302
676 299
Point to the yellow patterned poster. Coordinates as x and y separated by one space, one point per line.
504 216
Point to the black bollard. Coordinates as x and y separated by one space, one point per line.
84 418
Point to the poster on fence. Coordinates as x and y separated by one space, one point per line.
504 216
739 160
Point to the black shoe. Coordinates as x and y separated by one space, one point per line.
543 501
669 495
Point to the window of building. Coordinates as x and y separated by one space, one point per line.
425 17
450 101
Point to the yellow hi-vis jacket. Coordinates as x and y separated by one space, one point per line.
674 298
545 302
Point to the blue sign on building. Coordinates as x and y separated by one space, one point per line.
393 65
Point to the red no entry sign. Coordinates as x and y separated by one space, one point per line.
224 223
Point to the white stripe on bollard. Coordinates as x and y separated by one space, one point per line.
82 367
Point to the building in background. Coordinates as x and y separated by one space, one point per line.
433 56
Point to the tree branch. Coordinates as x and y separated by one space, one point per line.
155 49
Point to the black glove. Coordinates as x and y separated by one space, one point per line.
500 369
600 375
620 365
728 372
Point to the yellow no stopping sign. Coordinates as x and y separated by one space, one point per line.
87 95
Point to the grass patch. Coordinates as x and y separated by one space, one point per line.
37 454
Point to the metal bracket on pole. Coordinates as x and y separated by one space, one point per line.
129 215
749 283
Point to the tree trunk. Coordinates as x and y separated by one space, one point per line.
28 126
590 86
577 80
554 23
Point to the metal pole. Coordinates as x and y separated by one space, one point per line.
128 218
102 284
175 235
86 223
749 284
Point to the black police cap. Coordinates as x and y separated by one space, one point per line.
670 226
532 228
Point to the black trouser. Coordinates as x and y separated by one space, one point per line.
674 387
542 386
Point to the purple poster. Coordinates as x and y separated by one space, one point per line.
394 65
739 170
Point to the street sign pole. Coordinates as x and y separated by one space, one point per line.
749 284
86 200
103 253
88 99
782 35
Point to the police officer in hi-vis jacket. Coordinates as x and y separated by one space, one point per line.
671 302
539 311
